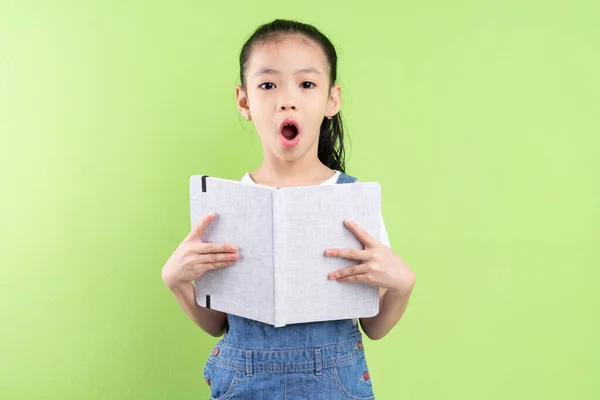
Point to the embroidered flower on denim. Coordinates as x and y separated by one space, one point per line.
365 376
208 382
216 351
359 346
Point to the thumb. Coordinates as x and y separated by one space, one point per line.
201 225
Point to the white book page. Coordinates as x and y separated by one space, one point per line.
308 220
244 218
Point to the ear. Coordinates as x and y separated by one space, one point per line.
242 101
334 103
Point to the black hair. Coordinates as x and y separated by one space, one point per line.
331 136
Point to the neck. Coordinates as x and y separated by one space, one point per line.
280 173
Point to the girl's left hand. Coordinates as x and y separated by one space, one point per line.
380 265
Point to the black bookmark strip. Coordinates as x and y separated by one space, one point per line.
208 301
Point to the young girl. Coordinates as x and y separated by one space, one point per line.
288 74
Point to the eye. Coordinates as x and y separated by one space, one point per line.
267 83
309 83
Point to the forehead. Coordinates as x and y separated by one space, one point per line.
287 54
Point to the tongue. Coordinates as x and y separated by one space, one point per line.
289 132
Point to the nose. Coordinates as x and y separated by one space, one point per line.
286 100
286 106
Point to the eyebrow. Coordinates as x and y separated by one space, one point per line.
265 71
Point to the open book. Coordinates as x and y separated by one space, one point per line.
281 275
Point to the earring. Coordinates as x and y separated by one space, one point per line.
249 118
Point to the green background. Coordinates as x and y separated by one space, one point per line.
479 119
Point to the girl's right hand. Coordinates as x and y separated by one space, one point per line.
193 257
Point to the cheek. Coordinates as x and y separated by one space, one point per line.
259 101
317 111
318 103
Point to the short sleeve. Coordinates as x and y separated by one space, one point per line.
383 235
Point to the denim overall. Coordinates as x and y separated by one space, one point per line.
316 360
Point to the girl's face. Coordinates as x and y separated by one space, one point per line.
287 81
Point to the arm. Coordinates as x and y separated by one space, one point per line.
392 305
382 267
192 259
211 321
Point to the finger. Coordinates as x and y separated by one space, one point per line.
360 233
217 265
200 226
205 248
353 254
216 258
363 278
348 271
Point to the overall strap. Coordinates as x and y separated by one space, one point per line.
344 178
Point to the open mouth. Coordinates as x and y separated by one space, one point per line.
289 131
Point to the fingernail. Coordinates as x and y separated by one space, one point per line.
348 222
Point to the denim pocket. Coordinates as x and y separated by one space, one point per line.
222 380
353 379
